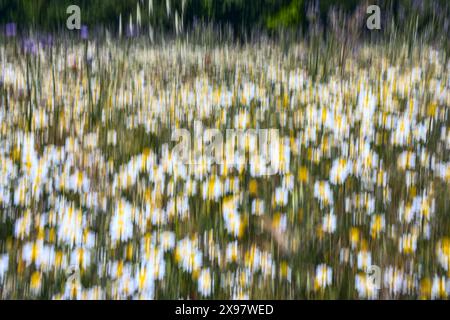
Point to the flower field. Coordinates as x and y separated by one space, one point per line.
94 205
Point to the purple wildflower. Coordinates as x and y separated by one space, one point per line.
29 46
46 40
84 32
11 29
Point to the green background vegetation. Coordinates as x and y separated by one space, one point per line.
242 16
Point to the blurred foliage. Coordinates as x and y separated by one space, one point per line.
241 15
290 15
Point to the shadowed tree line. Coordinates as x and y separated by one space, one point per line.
240 16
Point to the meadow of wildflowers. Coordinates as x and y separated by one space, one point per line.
89 184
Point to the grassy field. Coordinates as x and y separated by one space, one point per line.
93 205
